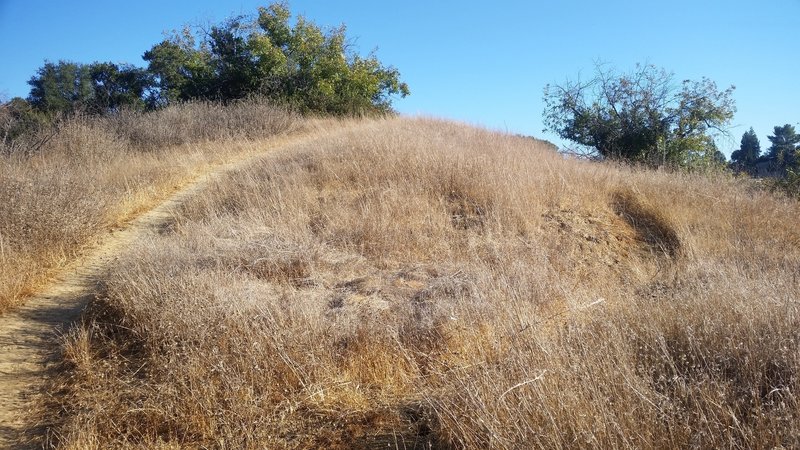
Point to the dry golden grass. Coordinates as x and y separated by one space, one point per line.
411 283
95 174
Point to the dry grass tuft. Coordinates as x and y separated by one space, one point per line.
414 283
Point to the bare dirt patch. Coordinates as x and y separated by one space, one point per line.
650 225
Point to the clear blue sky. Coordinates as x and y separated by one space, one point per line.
480 62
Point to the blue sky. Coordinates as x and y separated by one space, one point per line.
481 62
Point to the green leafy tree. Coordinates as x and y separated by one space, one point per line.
784 148
180 70
642 116
748 153
59 88
119 86
232 61
299 64
67 87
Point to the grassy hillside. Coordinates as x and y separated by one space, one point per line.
96 173
412 283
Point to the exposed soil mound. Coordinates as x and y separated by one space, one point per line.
650 225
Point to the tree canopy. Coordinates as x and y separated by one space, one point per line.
60 87
749 151
118 86
785 145
269 54
66 87
299 64
642 116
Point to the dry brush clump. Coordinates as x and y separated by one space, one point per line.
414 283
94 173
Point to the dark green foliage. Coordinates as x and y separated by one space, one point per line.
784 154
784 147
298 64
293 63
789 184
180 72
118 86
748 153
62 87
68 87
232 62
643 116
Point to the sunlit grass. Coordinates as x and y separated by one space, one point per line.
412 283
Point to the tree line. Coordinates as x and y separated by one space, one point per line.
294 62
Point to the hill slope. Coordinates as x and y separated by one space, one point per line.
415 282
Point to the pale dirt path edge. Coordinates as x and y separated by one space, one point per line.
29 334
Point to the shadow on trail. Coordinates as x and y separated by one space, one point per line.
34 329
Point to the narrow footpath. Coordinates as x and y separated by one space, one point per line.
29 335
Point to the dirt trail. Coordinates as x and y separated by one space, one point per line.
29 334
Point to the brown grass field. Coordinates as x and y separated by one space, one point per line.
416 283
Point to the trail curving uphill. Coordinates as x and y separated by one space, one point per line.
29 334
